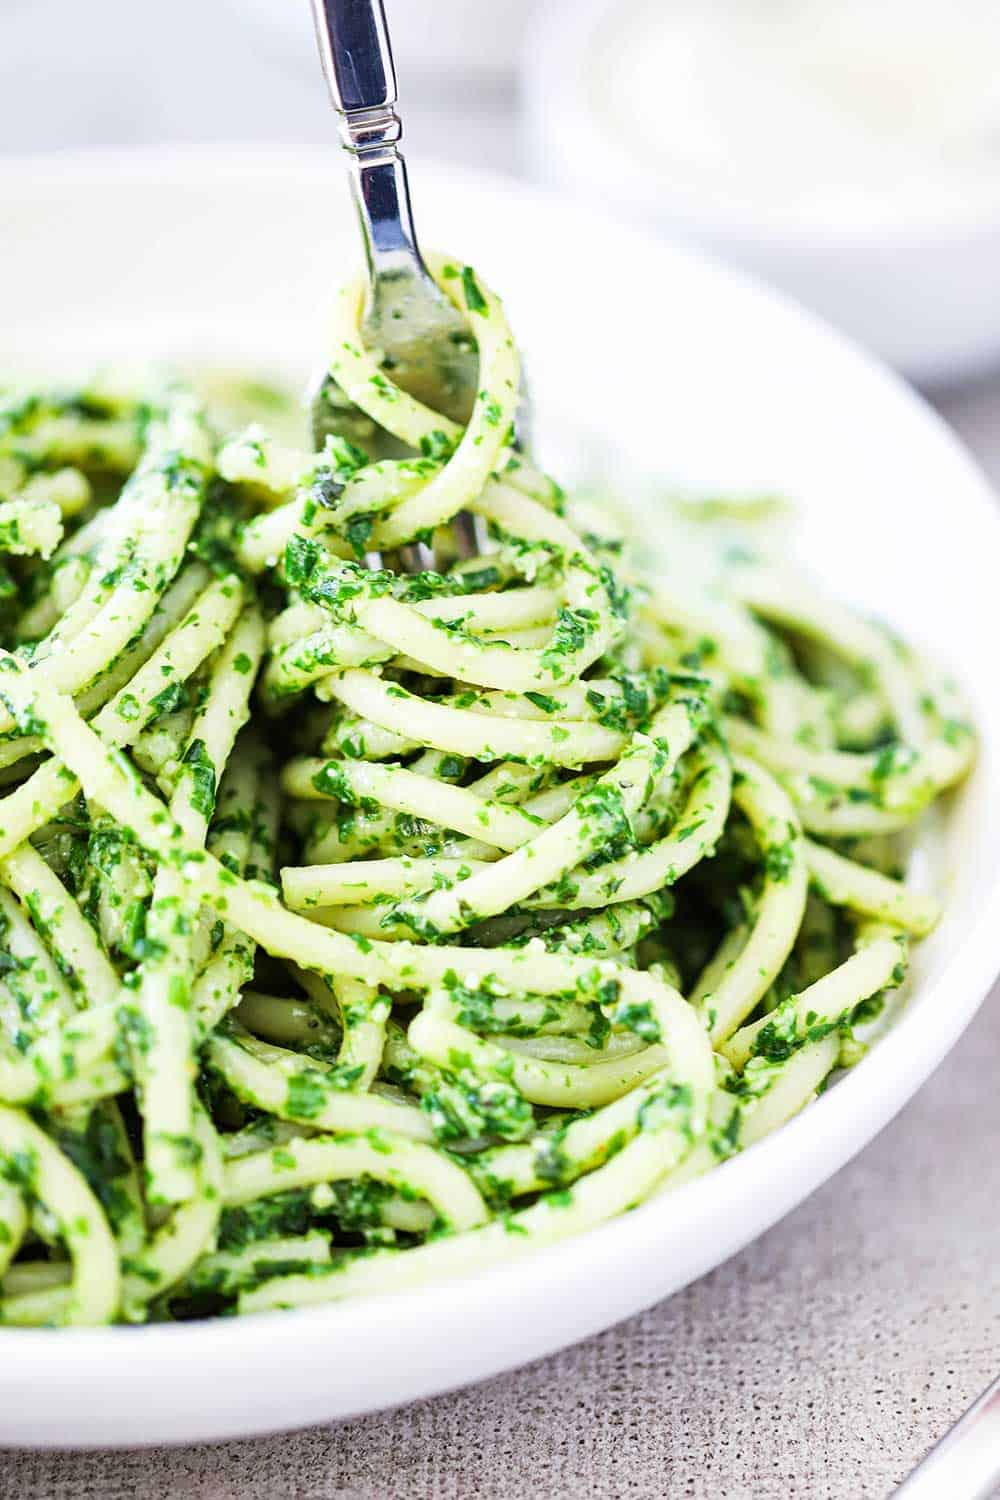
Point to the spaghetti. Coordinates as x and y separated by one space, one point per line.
361 928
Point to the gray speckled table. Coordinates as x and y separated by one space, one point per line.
820 1363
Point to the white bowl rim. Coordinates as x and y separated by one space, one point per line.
555 51
810 1147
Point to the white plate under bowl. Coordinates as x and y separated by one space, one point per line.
919 285
691 372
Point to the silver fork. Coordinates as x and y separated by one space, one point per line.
424 343
965 1464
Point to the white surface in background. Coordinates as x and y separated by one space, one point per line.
861 111
77 73
923 291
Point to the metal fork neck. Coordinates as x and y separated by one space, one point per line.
369 133
382 198
357 61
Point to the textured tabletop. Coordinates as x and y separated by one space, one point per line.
822 1362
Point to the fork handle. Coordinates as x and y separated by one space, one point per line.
357 61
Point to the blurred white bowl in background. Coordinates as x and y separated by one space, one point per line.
849 153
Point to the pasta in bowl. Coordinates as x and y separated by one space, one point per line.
363 927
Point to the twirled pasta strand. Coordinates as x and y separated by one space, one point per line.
500 917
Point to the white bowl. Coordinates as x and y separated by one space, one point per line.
230 255
923 291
